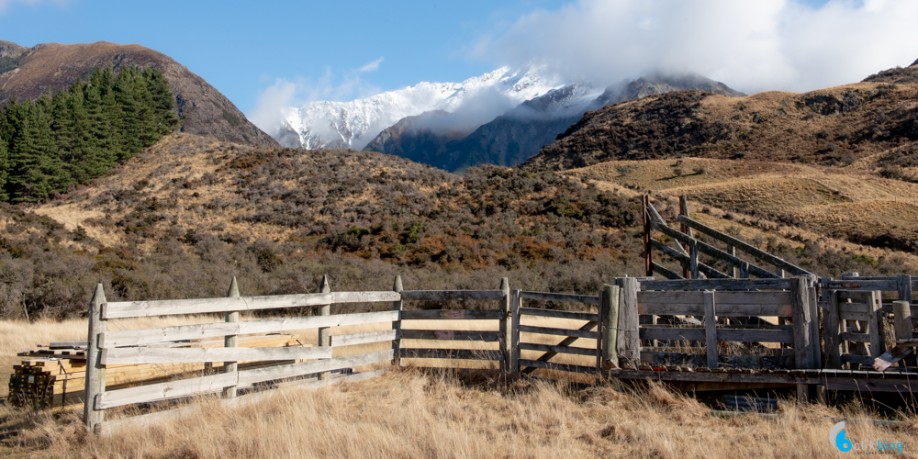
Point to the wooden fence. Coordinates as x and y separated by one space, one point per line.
639 324
687 245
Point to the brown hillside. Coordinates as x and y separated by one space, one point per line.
830 126
48 68
844 209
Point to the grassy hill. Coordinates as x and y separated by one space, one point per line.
832 126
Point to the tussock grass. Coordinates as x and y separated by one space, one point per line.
415 413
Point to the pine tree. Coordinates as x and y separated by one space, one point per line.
35 169
4 169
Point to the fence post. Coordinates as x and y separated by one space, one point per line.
813 305
832 328
710 328
505 324
629 343
693 260
515 332
803 341
904 286
876 322
231 341
648 248
903 318
609 298
95 373
397 324
324 339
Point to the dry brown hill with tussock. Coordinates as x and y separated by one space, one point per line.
836 125
26 74
850 209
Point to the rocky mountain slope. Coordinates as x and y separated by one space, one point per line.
353 124
836 125
30 72
520 133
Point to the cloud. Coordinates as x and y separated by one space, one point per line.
275 101
371 66
750 45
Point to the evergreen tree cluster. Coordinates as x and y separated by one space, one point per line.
55 142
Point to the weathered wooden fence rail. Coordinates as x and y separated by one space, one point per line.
630 325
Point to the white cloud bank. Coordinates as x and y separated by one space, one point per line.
750 45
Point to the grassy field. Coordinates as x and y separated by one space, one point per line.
415 413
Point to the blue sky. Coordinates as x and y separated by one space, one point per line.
342 49
242 47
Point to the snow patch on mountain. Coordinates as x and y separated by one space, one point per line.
353 124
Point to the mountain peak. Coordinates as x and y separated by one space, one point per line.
329 124
51 67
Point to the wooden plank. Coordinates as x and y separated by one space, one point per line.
861 285
447 295
665 333
559 331
95 370
777 334
629 341
460 354
561 297
717 253
832 329
864 360
324 333
516 304
902 316
362 338
230 341
248 378
506 306
875 324
855 337
710 329
164 391
536 364
719 285
558 314
111 339
565 342
451 335
128 309
666 272
803 341
685 260
452 314
179 355
397 324
744 246
670 309
609 307
904 287
557 349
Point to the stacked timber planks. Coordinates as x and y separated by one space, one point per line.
55 374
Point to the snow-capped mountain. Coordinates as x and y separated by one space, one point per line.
353 124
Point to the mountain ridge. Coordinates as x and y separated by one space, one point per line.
51 67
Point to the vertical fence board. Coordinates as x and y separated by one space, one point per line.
609 300
397 324
832 330
710 328
875 323
629 342
517 301
95 372
505 332
324 337
231 340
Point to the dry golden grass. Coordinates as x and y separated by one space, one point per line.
410 413
833 206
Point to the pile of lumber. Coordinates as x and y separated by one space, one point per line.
55 374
